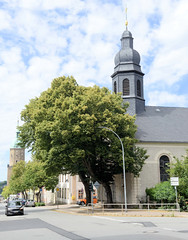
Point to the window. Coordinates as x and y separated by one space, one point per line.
115 87
59 193
80 194
125 87
164 166
65 193
138 88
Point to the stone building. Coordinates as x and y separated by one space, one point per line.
16 154
162 131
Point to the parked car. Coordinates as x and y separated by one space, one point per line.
30 203
83 201
22 200
14 207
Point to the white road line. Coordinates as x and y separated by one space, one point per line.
117 220
170 229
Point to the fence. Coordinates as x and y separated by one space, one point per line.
120 208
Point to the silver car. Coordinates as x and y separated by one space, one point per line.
14 207
30 203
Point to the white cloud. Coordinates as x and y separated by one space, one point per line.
164 98
4 20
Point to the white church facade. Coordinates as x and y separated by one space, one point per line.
162 131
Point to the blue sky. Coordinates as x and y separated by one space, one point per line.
44 39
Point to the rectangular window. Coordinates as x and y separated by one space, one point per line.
80 194
65 193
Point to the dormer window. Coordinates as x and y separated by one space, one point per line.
115 87
126 87
138 88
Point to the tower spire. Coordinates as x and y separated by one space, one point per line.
127 78
126 21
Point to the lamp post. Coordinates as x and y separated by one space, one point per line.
124 179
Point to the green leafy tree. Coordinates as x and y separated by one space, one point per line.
180 169
35 178
17 181
6 192
31 175
62 128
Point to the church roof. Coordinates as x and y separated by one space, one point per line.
162 124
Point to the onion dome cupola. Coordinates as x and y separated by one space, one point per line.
128 77
127 54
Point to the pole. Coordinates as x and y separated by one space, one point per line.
92 200
176 198
124 177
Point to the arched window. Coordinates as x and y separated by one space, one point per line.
164 166
138 88
125 87
115 87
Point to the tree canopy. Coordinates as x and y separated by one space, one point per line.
31 175
62 129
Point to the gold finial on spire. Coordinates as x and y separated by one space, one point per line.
126 22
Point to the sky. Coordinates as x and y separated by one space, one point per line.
44 39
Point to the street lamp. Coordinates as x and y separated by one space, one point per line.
124 179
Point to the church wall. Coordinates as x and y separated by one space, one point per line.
150 174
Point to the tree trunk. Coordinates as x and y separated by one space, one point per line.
108 192
85 181
105 185
34 194
25 194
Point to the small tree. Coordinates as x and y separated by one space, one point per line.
35 178
6 192
31 175
180 169
17 182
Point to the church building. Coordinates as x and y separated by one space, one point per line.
162 131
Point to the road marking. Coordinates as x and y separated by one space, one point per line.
117 220
107 218
170 229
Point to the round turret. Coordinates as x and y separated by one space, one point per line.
127 54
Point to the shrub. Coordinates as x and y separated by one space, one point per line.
39 204
162 192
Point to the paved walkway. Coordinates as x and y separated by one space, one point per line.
83 210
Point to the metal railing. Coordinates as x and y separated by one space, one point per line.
120 208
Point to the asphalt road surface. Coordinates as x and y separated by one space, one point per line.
49 224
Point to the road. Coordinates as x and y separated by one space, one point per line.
49 224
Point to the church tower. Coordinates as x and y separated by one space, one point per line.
127 78
16 154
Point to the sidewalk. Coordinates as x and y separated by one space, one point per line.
83 210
